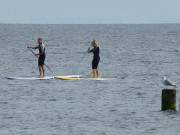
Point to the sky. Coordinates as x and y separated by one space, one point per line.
89 11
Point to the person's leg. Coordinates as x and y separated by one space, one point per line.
41 66
40 75
43 70
95 66
97 73
94 73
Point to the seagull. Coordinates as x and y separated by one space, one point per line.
167 82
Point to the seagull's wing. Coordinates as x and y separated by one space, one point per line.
169 83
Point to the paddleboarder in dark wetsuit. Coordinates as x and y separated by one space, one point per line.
41 57
96 58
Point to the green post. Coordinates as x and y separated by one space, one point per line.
168 99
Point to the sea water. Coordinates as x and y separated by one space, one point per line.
137 56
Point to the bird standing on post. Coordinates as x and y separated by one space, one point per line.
167 82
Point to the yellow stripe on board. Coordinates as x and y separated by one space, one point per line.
67 78
78 78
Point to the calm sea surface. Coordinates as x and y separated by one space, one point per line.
136 56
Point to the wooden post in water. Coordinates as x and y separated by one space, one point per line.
168 99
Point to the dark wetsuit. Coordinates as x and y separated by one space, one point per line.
96 57
42 54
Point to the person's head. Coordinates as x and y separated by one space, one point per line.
94 43
39 40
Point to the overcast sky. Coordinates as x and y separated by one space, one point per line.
89 11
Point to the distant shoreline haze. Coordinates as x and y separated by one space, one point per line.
89 11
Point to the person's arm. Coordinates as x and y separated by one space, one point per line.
33 47
90 50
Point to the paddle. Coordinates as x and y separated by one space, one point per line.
37 57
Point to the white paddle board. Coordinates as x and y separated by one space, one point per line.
30 78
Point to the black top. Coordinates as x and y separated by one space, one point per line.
41 48
96 52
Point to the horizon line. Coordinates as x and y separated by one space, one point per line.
19 23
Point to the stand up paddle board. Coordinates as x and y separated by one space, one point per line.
30 78
79 78
68 77
97 79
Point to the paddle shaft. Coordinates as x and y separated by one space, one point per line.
44 63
